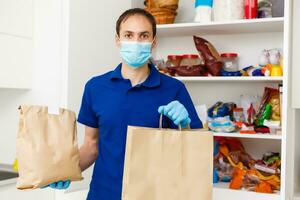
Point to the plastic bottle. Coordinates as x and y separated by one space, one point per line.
228 10
203 10
251 8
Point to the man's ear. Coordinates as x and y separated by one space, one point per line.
154 43
117 40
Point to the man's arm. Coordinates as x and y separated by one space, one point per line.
88 152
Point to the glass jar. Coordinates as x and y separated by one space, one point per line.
228 10
173 60
230 61
190 60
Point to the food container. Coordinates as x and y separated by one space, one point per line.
160 64
203 10
164 11
195 70
228 10
163 16
276 70
251 8
174 60
230 61
190 60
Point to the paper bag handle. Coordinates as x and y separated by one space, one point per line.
179 126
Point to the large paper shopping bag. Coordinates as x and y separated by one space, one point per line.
166 164
47 149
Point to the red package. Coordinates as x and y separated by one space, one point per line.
211 56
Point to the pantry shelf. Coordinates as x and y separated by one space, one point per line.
226 78
222 190
215 28
254 136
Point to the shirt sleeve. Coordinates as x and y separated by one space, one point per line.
86 114
184 97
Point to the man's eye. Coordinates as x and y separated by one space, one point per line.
145 36
128 36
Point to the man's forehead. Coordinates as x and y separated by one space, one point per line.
139 32
136 20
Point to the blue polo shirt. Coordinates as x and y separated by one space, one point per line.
110 104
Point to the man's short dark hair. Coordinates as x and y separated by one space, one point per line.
136 11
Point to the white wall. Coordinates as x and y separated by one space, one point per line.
295 55
297 155
46 74
92 52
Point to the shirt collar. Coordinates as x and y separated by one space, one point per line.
152 80
116 74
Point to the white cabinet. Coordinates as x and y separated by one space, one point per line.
16 39
16 61
16 17
247 38
295 55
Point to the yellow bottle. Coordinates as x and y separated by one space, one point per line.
276 70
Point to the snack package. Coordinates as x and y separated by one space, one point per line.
269 107
275 103
211 56
250 106
221 109
221 124
230 155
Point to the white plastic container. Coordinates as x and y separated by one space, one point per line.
228 10
203 9
203 14
230 61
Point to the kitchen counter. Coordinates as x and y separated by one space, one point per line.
7 175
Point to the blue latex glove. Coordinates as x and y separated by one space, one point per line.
176 112
60 185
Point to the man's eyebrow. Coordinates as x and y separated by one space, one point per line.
143 32
128 31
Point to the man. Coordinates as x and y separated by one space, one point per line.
135 93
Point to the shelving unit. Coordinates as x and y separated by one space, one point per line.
253 136
231 79
221 190
221 28
247 38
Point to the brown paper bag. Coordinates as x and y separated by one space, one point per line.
165 164
47 148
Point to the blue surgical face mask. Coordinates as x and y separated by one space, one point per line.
135 54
